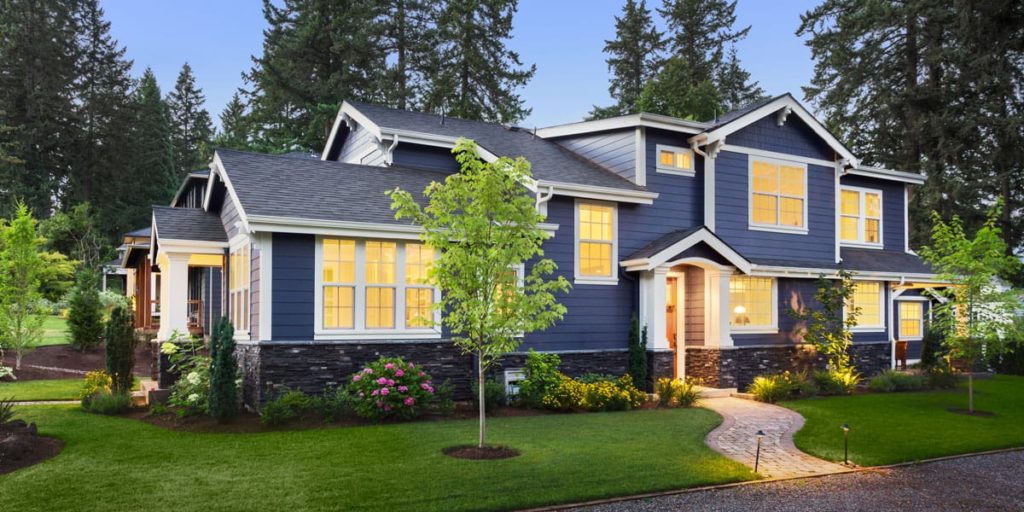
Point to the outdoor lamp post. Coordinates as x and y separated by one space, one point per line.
757 455
846 443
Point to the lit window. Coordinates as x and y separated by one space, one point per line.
339 277
380 270
860 218
911 314
778 194
675 160
238 287
595 250
419 295
867 295
752 300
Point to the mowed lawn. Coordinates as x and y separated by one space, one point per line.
55 389
887 428
55 331
111 463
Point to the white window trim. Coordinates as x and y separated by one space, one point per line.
237 243
359 331
582 279
772 328
658 167
899 324
862 218
882 311
757 226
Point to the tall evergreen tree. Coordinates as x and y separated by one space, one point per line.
408 30
670 93
474 74
634 57
154 177
234 126
191 128
734 84
316 53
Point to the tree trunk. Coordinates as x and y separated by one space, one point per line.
480 396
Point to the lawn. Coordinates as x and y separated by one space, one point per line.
887 428
123 464
55 331
56 389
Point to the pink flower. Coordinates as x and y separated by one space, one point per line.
375 392
356 377
409 401
403 389
389 366
425 386
399 373
422 374
430 390
411 366
387 408
391 382
380 404
368 370
384 391
382 381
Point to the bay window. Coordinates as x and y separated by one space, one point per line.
860 217
596 246
778 195
753 303
869 297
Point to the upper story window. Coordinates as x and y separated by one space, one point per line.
368 286
753 304
860 216
911 320
675 160
238 286
778 195
596 242
869 297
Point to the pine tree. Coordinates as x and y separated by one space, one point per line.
634 57
316 53
223 399
234 126
85 315
474 75
154 178
120 349
734 84
670 93
191 128
407 27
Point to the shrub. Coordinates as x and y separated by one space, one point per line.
223 392
110 403
444 403
592 377
636 364
892 380
941 377
494 394
96 383
772 388
836 382
390 388
541 377
286 408
932 349
190 393
333 405
687 393
6 411
85 314
677 393
571 394
120 349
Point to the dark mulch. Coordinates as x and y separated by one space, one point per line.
21 447
968 412
63 356
478 453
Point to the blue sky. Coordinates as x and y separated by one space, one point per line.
563 38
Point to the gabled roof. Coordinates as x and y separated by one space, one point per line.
140 233
551 163
191 224
645 119
859 260
671 245
197 175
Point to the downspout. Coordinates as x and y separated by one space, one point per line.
389 153
709 186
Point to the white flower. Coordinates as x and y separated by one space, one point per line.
193 378
194 397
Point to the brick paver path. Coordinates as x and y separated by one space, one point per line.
736 438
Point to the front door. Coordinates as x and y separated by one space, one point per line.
674 323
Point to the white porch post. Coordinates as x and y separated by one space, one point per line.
173 295
653 284
717 310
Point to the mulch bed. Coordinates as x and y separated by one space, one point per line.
968 412
21 446
477 453
63 356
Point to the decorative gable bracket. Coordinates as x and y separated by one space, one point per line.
780 117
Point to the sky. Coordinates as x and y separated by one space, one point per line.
563 38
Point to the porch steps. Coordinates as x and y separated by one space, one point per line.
140 398
716 392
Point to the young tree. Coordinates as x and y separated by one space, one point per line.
120 348
85 317
21 326
633 58
475 75
223 399
636 365
191 128
978 315
829 329
485 224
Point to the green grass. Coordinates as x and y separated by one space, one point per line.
886 428
114 463
55 331
56 389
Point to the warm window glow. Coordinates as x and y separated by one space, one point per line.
910 319
596 240
418 295
861 216
380 262
417 307
380 307
338 307
238 287
867 295
751 301
778 194
677 159
418 258
339 276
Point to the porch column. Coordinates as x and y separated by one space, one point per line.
173 294
653 284
716 314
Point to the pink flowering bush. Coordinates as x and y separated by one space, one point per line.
390 388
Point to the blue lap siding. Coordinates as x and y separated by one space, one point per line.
892 208
293 284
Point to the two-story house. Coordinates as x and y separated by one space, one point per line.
708 232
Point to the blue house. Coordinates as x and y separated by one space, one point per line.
708 232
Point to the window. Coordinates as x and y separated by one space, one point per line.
752 300
867 295
860 220
778 195
911 314
675 160
238 287
596 249
368 286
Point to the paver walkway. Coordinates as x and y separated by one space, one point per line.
736 438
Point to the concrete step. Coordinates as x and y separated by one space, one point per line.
716 392
140 398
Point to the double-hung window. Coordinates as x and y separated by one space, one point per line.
860 216
596 246
911 320
752 301
869 297
419 295
675 160
238 286
339 288
380 284
778 195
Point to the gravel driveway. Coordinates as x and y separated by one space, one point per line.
977 483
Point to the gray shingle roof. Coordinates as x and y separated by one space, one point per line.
860 260
662 243
550 161
742 111
188 224
314 189
141 232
